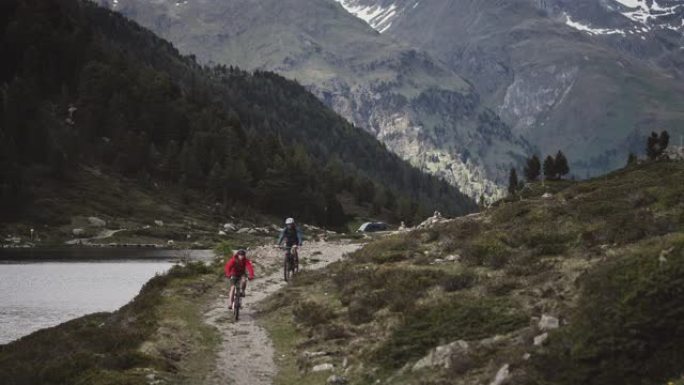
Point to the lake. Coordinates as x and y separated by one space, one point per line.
40 289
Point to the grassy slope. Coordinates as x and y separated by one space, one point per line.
588 255
160 333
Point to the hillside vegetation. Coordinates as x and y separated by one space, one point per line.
604 257
84 87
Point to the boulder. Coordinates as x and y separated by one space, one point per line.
443 356
252 231
322 368
96 222
159 222
547 196
336 380
453 258
501 376
243 230
229 227
221 232
548 322
170 242
540 339
78 232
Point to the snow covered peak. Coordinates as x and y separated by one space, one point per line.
652 13
377 14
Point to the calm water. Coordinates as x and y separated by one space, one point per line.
37 294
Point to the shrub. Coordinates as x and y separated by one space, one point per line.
312 313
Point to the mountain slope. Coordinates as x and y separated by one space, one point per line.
85 87
420 109
575 75
559 286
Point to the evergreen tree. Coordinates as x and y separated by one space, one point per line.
532 169
550 168
512 182
631 159
560 165
656 144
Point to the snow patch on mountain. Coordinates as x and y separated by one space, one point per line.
592 31
377 16
650 12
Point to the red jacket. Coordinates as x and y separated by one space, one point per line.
236 268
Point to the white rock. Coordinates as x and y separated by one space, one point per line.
453 258
547 196
77 232
243 230
97 222
336 380
502 375
315 354
158 222
526 356
540 339
221 232
548 322
322 368
252 231
170 242
443 356
229 227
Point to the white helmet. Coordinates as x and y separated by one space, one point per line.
289 221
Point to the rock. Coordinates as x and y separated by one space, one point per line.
526 356
662 258
345 362
310 355
322 368
77 232
252 231
170 242
502 375
159 222
96 222
540 339
229 227
453 258
443 356
548 322
547 196
243 230
491 342
336 380
221 232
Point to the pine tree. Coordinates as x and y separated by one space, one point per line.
512 182
631 159
652 146
560 165
550 168
532 169
663 141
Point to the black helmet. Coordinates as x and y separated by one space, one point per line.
242 252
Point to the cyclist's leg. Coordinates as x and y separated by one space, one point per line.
243 284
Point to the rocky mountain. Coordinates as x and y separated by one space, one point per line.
588 76
413 103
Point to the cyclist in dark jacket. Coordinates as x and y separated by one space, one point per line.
292 237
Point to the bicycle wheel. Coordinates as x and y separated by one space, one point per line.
286 267
236 304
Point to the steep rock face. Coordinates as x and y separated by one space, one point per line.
590 77
420 108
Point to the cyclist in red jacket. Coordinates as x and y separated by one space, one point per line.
236 269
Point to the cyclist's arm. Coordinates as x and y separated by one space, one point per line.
229 267
250 269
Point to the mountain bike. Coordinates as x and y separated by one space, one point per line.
290 263
237 299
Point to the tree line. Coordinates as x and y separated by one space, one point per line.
83 85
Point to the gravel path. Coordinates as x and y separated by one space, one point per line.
246 354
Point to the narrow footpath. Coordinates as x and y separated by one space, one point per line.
246 353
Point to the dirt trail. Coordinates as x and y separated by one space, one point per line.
246 353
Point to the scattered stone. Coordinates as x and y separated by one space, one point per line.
159 222
548 322
96 222
491 342
502 375
662 258
345 362
221 232
453 258
547 196
336 380
322 368
170 242
252 231
229 227
77 232
315 354
443 356
540 339
526 356
243 230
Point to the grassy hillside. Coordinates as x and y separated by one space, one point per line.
85 87
603 256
